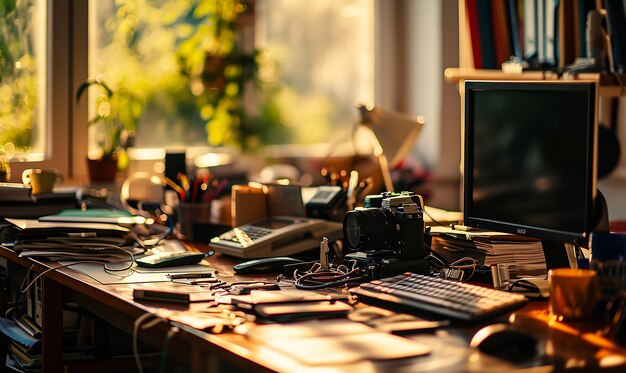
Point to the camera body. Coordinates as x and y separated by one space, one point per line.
386 236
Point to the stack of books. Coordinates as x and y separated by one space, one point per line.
17 201
71 241
548 32
524 255
24 347
24 343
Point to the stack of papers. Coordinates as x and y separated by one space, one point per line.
17 201
524 255
71 241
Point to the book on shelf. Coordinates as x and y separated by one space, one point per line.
28 325
28 357
501 31
515 26
472 21
15 333
484 17
543 32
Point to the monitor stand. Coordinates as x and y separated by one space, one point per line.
561 255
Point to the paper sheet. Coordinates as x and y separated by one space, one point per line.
97 272
335 342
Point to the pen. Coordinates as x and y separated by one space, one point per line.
174 276
199 281
460 227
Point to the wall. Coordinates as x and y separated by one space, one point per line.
419 38
614 185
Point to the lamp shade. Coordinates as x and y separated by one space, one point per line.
395 132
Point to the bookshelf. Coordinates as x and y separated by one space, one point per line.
569 45
609 86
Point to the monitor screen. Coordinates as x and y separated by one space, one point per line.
530 158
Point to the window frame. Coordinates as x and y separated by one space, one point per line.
66 134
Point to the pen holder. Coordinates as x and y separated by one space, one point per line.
190 214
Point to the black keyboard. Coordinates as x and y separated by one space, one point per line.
449 298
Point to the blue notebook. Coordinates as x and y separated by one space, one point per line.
113 216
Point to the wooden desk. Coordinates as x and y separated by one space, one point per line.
564 346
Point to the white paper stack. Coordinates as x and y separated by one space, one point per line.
524 255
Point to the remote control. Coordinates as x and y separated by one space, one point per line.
177 258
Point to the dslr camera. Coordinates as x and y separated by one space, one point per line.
386 236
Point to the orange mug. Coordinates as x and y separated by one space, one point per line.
41 180
573 293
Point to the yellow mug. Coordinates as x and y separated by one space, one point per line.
573 293
41 180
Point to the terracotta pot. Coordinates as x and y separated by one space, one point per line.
102 170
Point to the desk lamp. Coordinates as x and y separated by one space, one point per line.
391 135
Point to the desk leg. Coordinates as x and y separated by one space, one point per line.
52 320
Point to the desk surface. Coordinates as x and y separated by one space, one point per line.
564 346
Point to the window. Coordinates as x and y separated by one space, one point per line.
320 64
34 62
23 80
163 50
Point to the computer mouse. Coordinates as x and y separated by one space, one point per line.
503 341
265 265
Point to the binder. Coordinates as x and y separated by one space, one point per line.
501 32
514 28
472 18
485 32
530 30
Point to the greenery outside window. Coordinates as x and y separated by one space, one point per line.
167 52
23 58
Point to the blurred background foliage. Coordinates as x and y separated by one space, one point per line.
186 61
183 57
18 85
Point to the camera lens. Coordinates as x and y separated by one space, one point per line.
369 229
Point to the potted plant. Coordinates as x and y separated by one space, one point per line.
117 113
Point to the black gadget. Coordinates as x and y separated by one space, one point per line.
387 235
530 161
503 341
265 265
328 202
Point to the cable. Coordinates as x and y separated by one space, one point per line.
441 264
136 326
318 278
456 265
433 219
25 289
166 343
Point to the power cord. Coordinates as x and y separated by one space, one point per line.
138 324
166 344
433 219
455 270
104 262
319 278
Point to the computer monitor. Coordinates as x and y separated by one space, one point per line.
530 152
